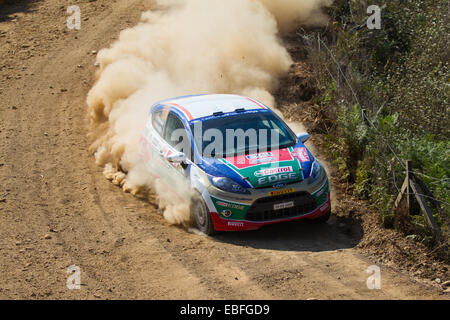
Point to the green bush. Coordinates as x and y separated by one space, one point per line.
400 75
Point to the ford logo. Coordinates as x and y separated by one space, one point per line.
279 185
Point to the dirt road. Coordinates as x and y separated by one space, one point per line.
57 209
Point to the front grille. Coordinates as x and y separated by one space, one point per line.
263 209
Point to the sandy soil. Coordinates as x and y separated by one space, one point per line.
57 209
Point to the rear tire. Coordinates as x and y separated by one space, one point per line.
200 215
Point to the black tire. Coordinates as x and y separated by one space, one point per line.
323 219
200 216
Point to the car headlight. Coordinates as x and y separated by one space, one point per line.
315 171
227 184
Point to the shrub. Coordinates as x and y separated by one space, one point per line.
399 74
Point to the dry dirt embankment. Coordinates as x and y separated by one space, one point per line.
57 209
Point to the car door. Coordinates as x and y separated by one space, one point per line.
176 140
155 149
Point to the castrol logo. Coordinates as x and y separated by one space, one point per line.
271 171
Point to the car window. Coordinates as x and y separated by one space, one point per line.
158 121
277 134
276 126
175 134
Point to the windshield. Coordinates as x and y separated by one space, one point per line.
231 135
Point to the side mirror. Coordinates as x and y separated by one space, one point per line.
179 157
303 136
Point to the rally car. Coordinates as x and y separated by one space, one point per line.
243 166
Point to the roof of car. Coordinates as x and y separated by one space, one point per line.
199 106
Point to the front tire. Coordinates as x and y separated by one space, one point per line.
200 215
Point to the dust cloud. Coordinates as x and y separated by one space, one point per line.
185 47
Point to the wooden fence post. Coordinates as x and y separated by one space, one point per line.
414 188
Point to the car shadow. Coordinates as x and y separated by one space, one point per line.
302 235
9 7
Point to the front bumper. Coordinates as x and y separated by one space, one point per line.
302 200
221 224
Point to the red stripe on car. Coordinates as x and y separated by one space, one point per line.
185 111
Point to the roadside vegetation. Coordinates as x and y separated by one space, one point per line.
399 75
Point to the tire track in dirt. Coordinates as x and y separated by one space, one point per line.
54 167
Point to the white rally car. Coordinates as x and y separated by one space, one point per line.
244 181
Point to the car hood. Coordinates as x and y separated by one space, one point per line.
263 169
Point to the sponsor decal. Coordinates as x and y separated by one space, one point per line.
271 171
279 185
235 224
283 205
261 155
300 154
226 213
279 177
245 161
230 205
279 192
230 210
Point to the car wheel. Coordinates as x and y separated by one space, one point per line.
200 215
